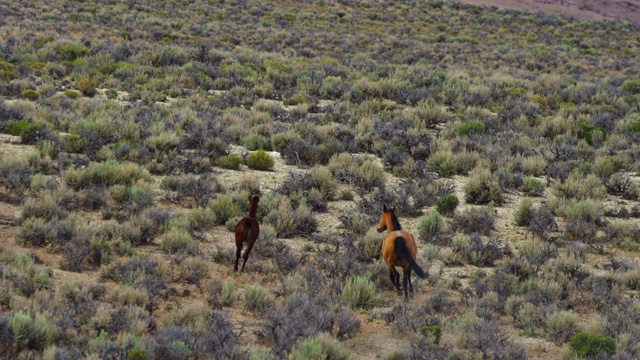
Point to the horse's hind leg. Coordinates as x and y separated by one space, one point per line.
245 256
394 275
238 252
405 280
409 279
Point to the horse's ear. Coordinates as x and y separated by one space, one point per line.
384 207
393 210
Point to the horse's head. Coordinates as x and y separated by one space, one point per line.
385 219
253 205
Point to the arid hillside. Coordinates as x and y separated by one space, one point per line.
134 133
628 10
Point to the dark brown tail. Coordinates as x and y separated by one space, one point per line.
247 227
400 247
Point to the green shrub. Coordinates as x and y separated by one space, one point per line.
584 210
255 142
33 133
321 346
295 99
30 94
200 219
368 175
16 127
47 148
586 344
522 215
30 333
175 241
111 94
280 141
119 193
561 326
430 225
580 187
631 86
34 231
227 298
469 128
443 163
260 160
74 143
371 244
30 133
359 292
436 331
223 208
7 71
447 204
231 161
356 223
482 187
163 142
71 52
182 349
98 343
254 297
592 134
105 174
322 179
346 195
87 86
532 186
634 126
397 355
137 354
72 94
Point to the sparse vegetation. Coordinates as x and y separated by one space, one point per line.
506 140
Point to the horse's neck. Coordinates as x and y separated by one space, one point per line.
390 227
252 210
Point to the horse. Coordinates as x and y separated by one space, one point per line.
398 249
247 231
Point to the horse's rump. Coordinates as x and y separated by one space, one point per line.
402 252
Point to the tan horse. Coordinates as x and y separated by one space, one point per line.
247 231
398 249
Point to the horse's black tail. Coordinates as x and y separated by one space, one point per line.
247 228
400 247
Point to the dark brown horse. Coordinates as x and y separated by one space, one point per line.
247 231
398 249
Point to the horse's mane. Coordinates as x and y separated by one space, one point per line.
395 222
